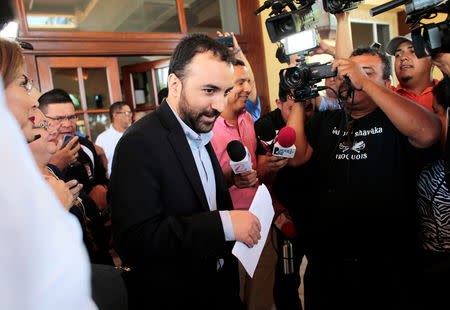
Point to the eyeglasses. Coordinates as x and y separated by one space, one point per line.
127 113
44 124
59 119
27 83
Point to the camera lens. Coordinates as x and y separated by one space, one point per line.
287 27
295 77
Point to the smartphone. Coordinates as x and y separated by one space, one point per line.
67 139
227 41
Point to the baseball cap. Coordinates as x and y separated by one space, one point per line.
395 42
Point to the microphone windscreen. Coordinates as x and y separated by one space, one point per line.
286 136
236 150
265 130
289 230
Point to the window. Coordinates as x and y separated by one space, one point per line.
365 33
136 16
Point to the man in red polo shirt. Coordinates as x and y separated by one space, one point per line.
414 74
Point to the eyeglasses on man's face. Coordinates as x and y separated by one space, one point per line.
59 119
127 113
27 83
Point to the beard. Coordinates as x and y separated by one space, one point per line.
193 118
406 79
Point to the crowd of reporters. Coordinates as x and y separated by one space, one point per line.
376 234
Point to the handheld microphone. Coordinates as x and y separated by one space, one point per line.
284 146
35 138
286 226
240 159
267 134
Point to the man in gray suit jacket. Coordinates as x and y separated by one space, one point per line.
172 216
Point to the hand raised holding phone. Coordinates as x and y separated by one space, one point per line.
67 154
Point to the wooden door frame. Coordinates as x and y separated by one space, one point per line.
127 81
44 65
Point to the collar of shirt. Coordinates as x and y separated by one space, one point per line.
194 139
429 89
241 118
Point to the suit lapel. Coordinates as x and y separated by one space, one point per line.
223 198
182 150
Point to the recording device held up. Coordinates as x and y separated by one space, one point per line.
428 39
303 79
340 6
225 40
240 159
284 144
282 25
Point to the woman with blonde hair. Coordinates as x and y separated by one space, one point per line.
46 264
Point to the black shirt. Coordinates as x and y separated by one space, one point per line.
366 188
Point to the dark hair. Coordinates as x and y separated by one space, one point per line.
439 93
238 62
162 94
192 45
56 95
115 107
375 52
282 93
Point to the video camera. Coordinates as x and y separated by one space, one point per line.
303 78
428 39
340 6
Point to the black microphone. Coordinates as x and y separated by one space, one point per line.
34 138
266 5
386 7
266 134
240 159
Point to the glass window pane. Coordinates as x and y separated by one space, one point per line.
67 79
81 127
162 76
211 15
362 34
98 122
103 15
143 89
383 35
96 87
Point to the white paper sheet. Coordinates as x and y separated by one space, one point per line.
261 207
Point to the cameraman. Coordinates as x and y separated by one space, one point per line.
414 74
364 235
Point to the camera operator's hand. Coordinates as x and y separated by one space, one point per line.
442 61
239 54
351 69
323 48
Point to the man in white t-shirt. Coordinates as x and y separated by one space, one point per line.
121 117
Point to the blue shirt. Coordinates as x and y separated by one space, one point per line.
254 109
197 143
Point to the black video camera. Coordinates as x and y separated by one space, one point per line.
303 78
340 6
428 39
284 24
